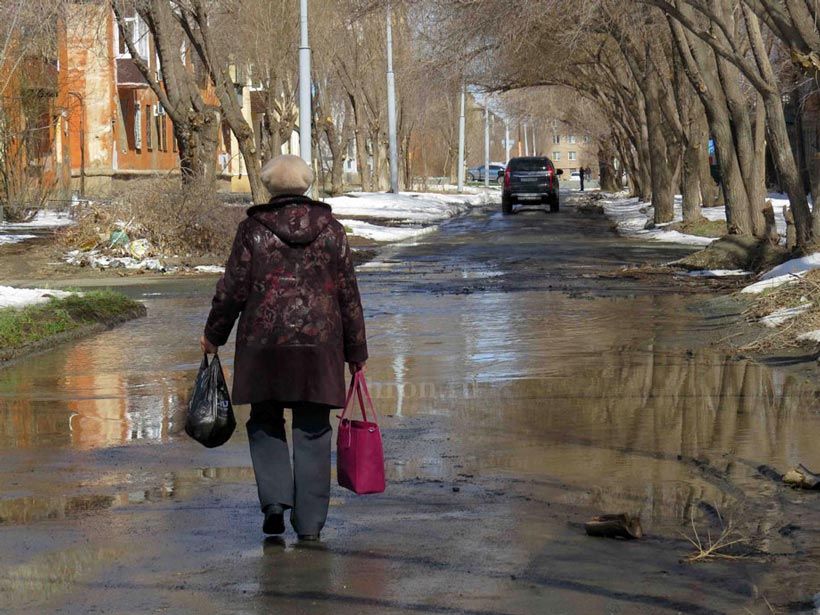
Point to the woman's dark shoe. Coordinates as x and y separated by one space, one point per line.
274 520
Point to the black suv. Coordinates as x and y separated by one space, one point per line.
530 179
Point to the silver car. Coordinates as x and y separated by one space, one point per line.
496 173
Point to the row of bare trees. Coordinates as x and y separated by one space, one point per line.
259 38
667 75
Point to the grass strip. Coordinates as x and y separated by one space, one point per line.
34 324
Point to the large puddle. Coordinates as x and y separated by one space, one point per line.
612 394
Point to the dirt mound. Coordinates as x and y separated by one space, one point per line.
735 252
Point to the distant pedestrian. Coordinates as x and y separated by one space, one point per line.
581 178
588 173
290 281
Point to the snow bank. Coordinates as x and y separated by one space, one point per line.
21 297
632 216
408 207
796 265
415 212
42 219
785 273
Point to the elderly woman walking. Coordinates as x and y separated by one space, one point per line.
290 276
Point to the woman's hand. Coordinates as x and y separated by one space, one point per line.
207 347
357 367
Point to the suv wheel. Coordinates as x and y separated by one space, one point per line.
506 205
554 204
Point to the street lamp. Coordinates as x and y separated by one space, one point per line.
391 109
461 128
305 109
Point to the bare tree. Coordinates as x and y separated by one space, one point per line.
194 16
175 84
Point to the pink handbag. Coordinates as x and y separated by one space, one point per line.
359 453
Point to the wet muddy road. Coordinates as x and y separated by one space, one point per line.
521 393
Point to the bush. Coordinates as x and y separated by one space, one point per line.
176 220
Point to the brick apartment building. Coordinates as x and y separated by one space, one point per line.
91 120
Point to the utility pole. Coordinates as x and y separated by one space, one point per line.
486 146
506 141
391 109
305 107
534 151
526 141
461 129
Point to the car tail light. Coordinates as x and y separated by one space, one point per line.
507 177
549 177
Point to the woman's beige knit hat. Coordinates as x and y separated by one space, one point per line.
286 174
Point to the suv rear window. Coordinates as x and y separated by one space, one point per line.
531 164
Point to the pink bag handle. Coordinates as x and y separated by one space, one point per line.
358 383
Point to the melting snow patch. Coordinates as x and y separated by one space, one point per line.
778 317
43 219
21 297
759 287
410 207
796 265
811 336
384 233
14 238
210 269
716 273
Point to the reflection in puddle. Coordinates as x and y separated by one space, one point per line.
123 490
50 573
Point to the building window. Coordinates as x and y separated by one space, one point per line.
571 139
573 156
556 155
149 127
556 139
137 126
162 129
586 138
137 31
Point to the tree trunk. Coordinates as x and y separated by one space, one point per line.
663 191
709 190
779 141
607 169
691 182
700 66
784 160
197 142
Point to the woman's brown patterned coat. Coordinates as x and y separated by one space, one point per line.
290 276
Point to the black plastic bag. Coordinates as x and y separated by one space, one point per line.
210 419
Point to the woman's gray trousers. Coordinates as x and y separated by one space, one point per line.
306 487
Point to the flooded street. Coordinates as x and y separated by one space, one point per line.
521 392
